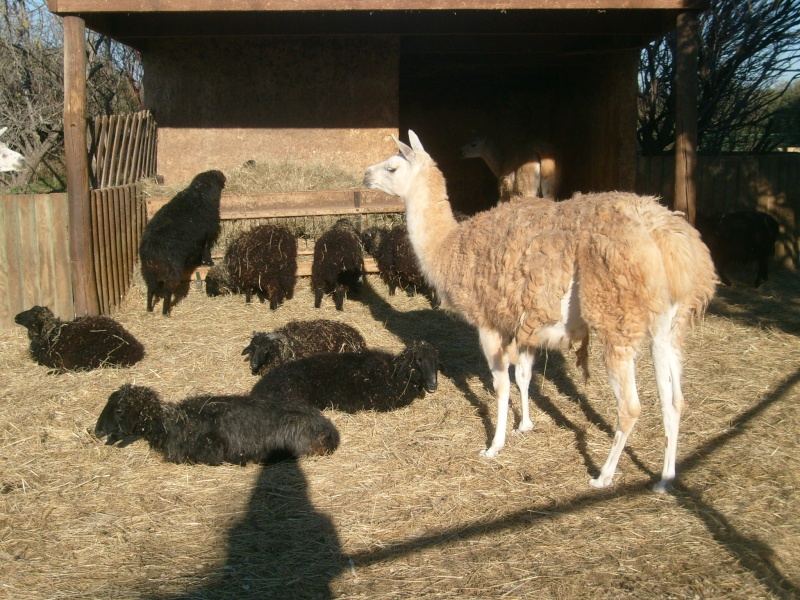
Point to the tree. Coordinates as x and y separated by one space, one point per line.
747 53
32 94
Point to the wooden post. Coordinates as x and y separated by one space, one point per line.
686 115
80 221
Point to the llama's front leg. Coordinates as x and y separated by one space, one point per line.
497 357
522 374
621 374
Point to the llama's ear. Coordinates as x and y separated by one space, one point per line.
404 149
415 143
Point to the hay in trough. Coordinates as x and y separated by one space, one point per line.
406 508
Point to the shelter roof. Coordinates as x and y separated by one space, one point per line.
478 26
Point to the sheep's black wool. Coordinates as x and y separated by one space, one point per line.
83 344
397 263
299 339
351 382
215 429
338 263
739 236
179 237
263 261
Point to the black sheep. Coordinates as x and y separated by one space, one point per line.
215 429
397 263
179 237
83 344
739 236
298 339
354 381
338 263
263 261
218 281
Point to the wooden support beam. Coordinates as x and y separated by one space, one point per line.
80 220
686 115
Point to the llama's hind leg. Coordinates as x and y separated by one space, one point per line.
522 374
621 375
497 357
668 368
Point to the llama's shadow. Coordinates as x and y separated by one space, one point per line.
282 548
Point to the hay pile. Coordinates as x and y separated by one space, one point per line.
406 508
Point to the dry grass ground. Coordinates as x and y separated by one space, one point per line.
406 508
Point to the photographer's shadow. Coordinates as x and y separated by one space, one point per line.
283 548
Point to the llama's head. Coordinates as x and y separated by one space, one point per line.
476 147
398 174
10 160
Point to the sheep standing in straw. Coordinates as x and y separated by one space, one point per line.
529 275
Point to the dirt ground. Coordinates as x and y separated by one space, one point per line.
406 507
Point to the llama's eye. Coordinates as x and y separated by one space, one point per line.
391 169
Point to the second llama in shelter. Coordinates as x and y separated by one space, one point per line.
544 274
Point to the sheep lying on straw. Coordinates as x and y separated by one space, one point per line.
298 339
83 344
531 275
216 429
352 382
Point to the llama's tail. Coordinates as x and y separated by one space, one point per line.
688 266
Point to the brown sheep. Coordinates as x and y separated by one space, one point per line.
531 275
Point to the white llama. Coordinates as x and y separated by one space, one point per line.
530 172
543 274
10 160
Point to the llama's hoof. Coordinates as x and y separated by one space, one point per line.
601 482
490 452
523 427
663 487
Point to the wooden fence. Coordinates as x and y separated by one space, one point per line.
122 149
118 220
34 255
769 182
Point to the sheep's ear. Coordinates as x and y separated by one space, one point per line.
404 149
415 143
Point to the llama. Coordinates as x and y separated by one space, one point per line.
215 429
529 173
10 160
531 275
179 237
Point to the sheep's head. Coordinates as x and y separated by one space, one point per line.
129 412
266 350
397 174
421 362
35 320
10 160
371 238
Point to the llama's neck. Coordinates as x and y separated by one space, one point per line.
491 156
429 218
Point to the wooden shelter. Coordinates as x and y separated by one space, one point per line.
331 80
